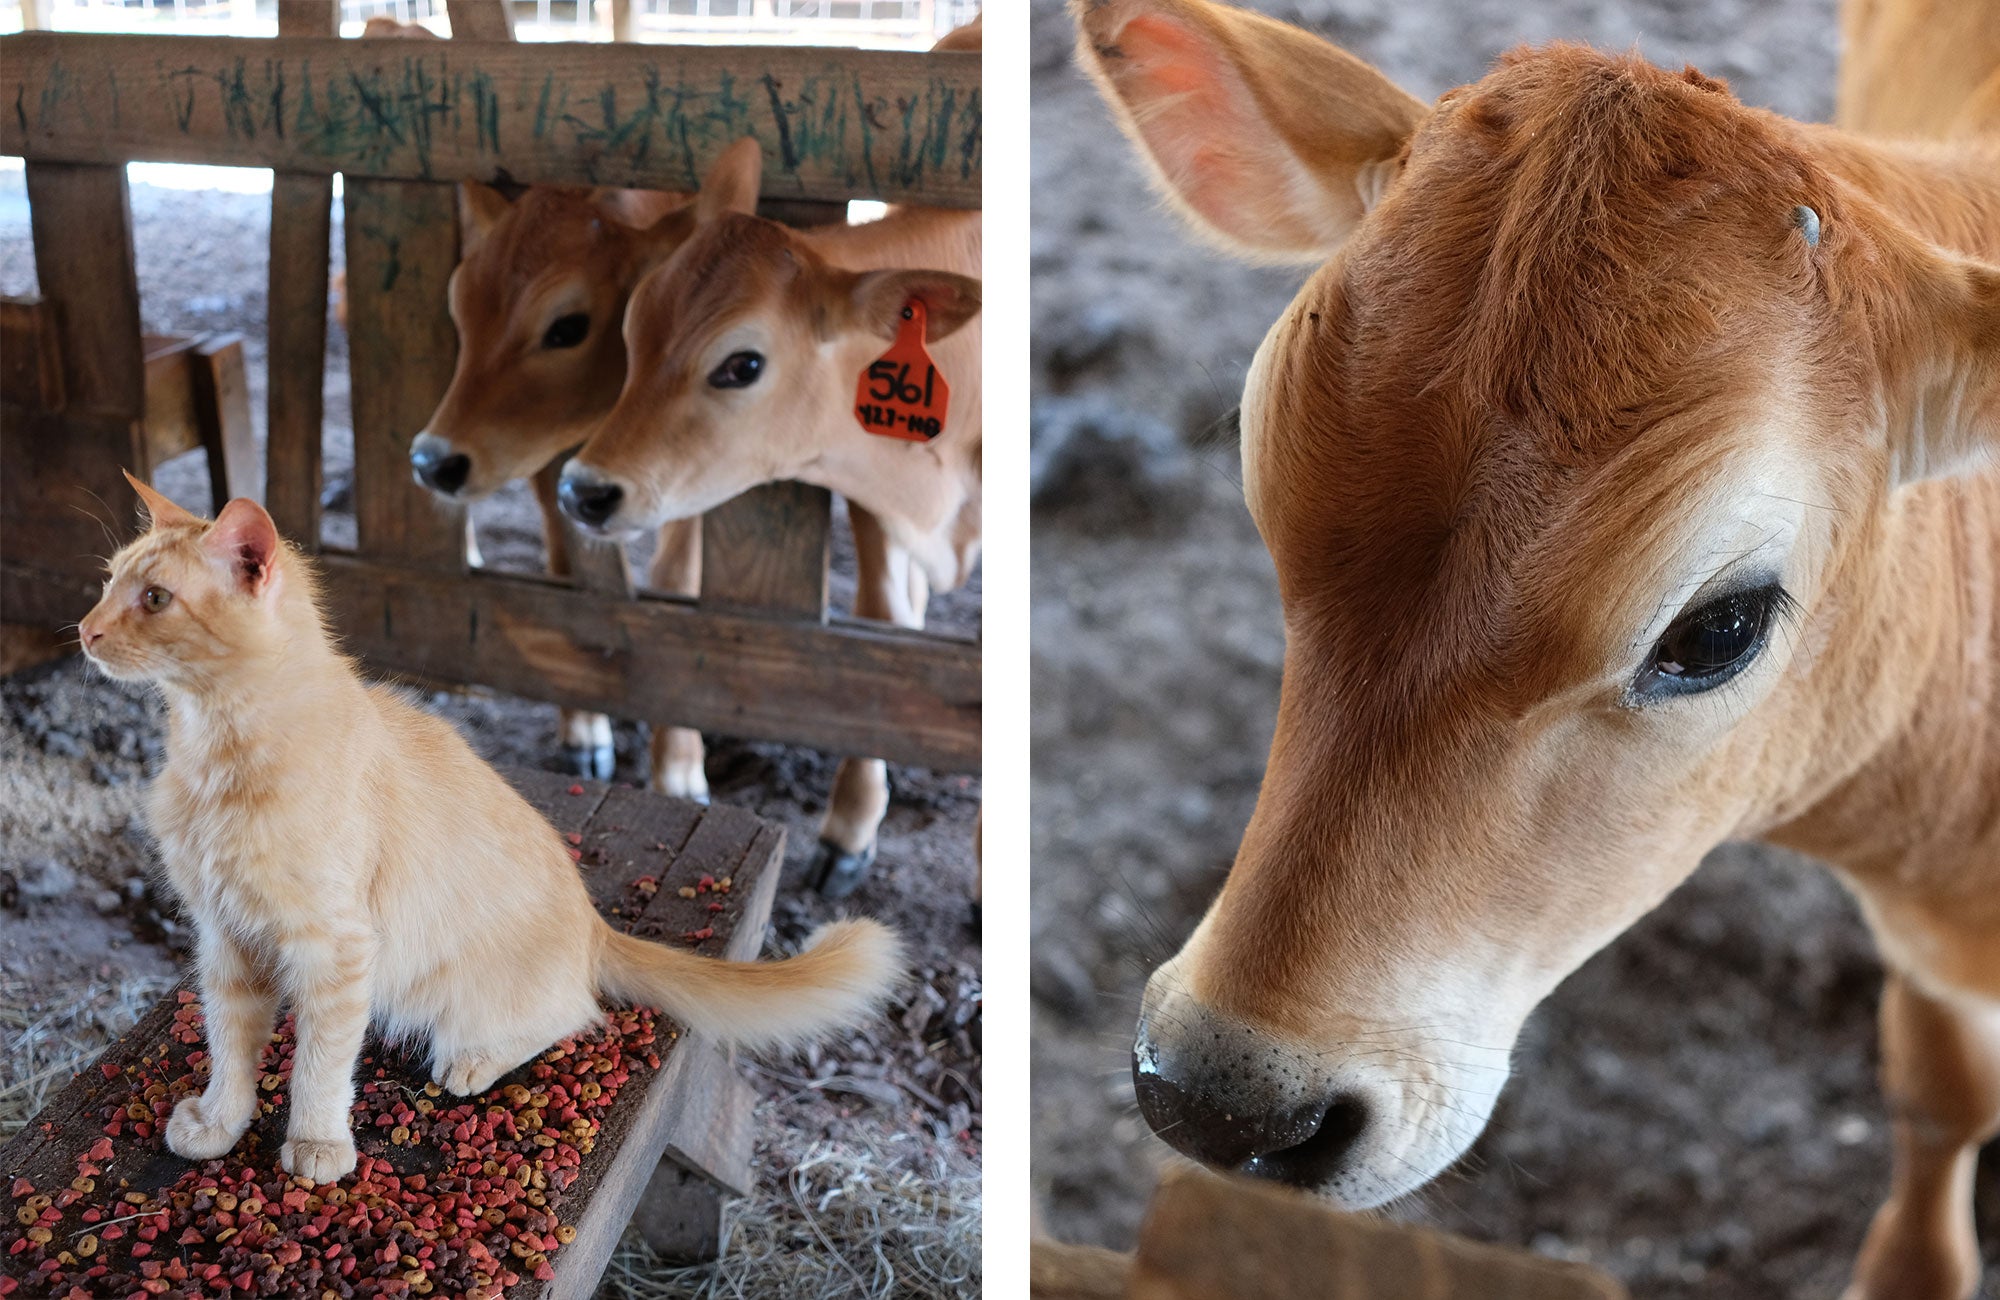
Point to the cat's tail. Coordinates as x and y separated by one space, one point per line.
847 969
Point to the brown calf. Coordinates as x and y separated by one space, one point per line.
1626 466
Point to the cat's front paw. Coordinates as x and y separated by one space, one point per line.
470 1075
193 1134
320 1160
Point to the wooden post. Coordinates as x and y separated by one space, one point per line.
767 551
402 244
301 232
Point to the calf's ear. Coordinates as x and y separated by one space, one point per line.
1940 354
878 298
733 181
1274 142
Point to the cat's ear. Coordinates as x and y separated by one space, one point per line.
159 510
245 537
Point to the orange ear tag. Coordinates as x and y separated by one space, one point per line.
902 394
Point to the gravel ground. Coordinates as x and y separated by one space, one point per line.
868 1150
1695 1110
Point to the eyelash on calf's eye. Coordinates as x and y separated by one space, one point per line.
1698 653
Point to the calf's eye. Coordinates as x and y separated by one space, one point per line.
155 599
567 331
738 370
1708 645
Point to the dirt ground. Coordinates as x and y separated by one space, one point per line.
1695 1110
868 1149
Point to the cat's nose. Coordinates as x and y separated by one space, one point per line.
437 466
588 500
90 635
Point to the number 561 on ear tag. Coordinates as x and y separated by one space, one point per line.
902 394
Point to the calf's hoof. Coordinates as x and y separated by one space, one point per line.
683 782
836 873
595 761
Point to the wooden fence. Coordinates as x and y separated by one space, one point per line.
757 655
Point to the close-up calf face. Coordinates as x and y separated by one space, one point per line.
1558 456
539 300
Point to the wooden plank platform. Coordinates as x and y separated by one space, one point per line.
834 124
527 1187
1209 1237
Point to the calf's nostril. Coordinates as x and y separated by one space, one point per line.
1315 1160
439 471
587 502
1206 1115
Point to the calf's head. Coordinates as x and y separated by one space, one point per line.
1569 457
745 346
538 297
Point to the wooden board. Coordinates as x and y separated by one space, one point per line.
295 411
402 244
658 1107
221 392
845 687
30 367
834 124
481 20
767 550
61 491
848 687
1207 1237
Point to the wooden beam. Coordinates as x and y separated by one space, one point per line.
301 232
402 243
848 688
834 124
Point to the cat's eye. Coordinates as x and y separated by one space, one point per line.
567 331
155 599
1708 645
738 370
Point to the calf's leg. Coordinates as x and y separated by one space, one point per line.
677 751
887 586
585 737
1941 1073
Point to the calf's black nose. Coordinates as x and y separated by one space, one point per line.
589 502
446 474
1214 1108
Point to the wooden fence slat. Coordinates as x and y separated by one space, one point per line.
480 20
848 688
301 233
30 366
82 221
767 551
402 243
834 124
81 216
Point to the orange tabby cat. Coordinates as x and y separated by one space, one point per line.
348 854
